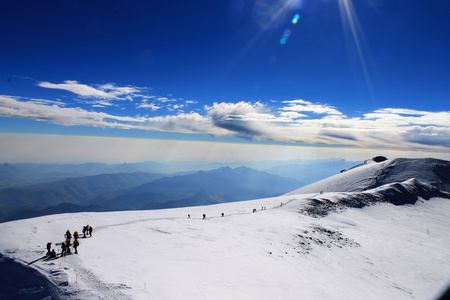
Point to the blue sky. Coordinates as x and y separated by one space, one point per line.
368 75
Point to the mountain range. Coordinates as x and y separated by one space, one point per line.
35 200
126 191
375 231
220 185
25 174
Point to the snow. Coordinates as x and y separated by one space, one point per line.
381 251
385 252
352 180
372 174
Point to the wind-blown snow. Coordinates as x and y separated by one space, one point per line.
381 251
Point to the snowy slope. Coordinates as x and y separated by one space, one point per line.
353 180
372 174
382 251
433 171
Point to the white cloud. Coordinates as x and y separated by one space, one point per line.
47 102
152 106
175 107
302 105
109 94
190 102
12 107
243 119
106 91
408 116
184 123
165 99
290 116
401 111
384 128
387 128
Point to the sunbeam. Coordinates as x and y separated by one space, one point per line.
352 26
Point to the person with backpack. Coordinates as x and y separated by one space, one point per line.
68 235
75 246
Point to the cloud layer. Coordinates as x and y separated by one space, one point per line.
293 121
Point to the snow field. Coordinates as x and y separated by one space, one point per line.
378 252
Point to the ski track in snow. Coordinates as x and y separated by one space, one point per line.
86 286
102 290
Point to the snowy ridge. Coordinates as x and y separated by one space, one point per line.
400 181
398 193
433 171
352 180
371 174
261 249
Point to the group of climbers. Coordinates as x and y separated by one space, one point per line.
87 229
65 246
222 214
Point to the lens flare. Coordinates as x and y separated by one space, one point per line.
295 19
286 35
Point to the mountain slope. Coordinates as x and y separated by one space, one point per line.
398 193
373 174
17 175
23 174
225 184
61 208
381 251
400 181
433 171
71 190
202 198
